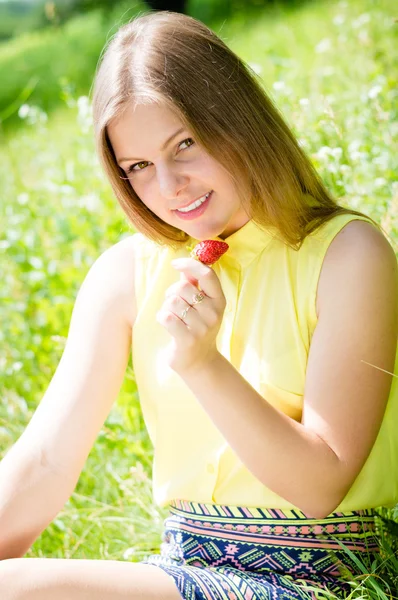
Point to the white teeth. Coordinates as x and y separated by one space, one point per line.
195 204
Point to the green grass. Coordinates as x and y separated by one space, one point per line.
45 65
329 68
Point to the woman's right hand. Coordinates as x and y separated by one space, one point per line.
41 470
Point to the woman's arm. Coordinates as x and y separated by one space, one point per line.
41 470
314 463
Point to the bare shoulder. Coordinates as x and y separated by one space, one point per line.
118 261
358 248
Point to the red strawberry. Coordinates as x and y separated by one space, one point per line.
209 251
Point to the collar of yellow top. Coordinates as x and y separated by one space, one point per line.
244 244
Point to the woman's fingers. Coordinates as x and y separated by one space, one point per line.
205 277
192 313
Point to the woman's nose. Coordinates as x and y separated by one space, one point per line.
171 181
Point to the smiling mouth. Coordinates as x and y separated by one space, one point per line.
194 205
197 211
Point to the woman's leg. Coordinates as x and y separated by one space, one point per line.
72 579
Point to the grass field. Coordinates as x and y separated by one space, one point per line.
330 69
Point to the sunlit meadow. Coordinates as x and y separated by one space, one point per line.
329 67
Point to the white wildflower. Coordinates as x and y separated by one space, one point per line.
35 277
29 238
12 235
382 160
336 153
128 553
323 153
23 111
66 189
23 198
323 46
354 145
91 202
85 113
355 201
345 168
361 20
339 20
357 155
36 262
60 524
52 267
279 85
50 186
379 182
77 257
374 91
33 114
256 68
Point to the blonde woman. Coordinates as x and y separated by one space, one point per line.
265 381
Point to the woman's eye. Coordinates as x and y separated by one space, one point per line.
145 162
131 168
187 140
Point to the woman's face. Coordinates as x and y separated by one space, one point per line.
168 170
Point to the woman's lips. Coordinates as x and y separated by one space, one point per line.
197 212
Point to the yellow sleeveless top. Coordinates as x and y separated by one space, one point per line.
265 282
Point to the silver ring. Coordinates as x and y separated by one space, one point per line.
198 298
185 311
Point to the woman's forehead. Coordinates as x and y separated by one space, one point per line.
143 129
143 114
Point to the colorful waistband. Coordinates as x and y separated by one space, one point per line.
244 512
276 526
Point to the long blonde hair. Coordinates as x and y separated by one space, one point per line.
176 60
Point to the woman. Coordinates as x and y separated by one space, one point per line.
265 380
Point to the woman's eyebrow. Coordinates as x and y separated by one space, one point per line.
167 142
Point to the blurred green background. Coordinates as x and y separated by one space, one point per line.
44 42
330 67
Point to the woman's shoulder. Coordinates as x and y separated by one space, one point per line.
358 236
326 231
341 233
117 265
360 244
127 260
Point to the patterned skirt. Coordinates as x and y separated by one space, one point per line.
218 552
